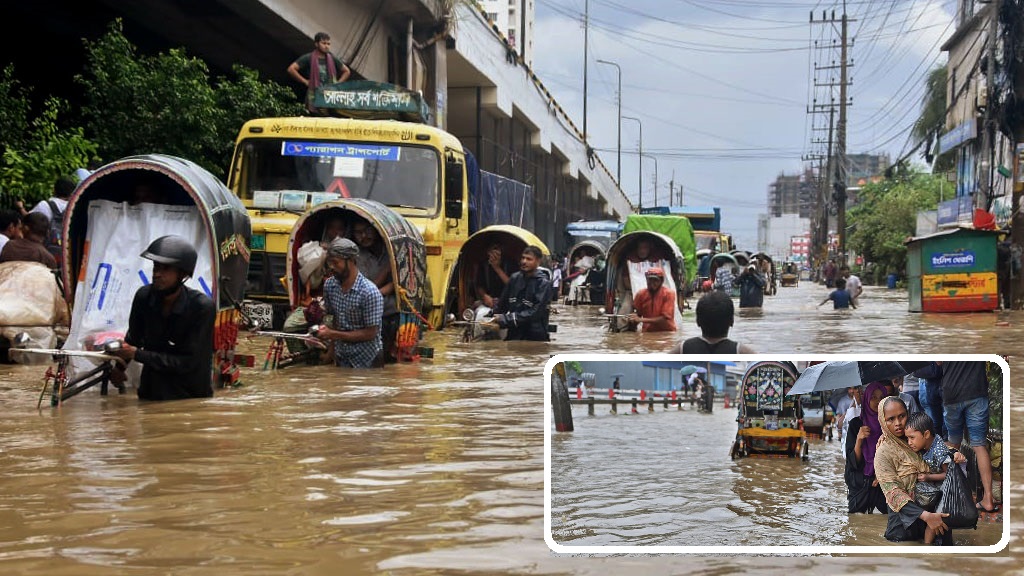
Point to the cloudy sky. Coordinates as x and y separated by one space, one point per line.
722 87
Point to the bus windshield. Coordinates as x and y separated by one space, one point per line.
288 173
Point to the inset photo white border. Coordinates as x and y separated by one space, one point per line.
895 548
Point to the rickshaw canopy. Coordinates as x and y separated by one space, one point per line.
403 241
176 184
677 228
513 241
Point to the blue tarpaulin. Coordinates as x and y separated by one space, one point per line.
500 200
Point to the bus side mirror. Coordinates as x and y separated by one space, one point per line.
453 189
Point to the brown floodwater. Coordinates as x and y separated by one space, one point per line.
437 467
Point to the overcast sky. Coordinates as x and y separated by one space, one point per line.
722 87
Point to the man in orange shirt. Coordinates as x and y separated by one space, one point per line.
654 306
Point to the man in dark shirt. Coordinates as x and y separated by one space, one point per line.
170 329
523 307
965 405
31 248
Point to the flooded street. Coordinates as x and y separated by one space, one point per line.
437 467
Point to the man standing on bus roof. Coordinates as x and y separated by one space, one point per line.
317 68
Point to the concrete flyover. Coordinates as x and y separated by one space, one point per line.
482 91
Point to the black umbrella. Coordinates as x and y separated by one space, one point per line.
846 373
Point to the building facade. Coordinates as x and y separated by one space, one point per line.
984 155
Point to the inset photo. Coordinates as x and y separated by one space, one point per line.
758 454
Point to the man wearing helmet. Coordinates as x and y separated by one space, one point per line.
170 328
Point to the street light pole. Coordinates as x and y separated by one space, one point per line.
655 158
586 55
640 162
618 163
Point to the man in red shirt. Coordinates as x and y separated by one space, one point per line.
654 306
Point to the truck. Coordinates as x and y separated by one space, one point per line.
706 222
281 167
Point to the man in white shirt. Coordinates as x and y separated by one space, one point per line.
852 412
853 284
842 406
62 190
10 227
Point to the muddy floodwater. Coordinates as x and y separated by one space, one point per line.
437 467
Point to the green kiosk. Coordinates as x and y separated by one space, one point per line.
953 271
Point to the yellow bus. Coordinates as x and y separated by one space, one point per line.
283 166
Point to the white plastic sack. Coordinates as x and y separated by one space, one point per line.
31 302
584 263
311 256
114 270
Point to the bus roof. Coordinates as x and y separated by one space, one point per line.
347 129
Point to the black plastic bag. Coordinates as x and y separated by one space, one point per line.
956 500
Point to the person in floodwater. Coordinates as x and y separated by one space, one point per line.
840 298
654 306
375 263
523 306
492 276
751 283
937 455
355 306
715 315
170 328
897 466
863 493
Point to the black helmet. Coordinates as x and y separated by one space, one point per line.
173 251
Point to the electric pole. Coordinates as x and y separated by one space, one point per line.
840 183
835 178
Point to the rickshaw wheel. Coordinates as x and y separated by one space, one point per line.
806 451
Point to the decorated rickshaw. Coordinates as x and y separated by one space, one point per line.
406 255
111 218
626 273
463 305
769 422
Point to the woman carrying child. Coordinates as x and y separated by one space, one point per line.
897 467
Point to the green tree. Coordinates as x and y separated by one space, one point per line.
136 104
887 215
45 153
931 123
247 97
15 109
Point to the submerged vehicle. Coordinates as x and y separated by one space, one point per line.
463 301
769 421
383 150
406 253
625 277
818 414
139 199
589 241
790 275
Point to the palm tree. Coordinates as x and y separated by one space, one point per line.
932 121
